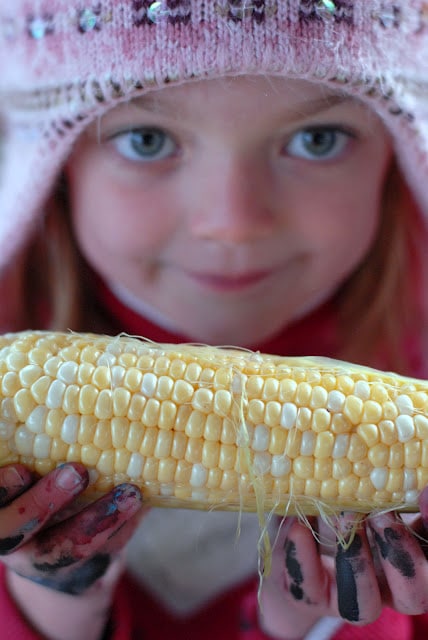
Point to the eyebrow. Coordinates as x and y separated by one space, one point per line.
305 109
312 107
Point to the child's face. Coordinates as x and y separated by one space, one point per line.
230 207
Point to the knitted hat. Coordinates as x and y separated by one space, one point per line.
63 62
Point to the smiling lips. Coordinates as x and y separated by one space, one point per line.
228 282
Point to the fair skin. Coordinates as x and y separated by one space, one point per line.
232 210
229 209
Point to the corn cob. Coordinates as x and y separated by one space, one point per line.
204 427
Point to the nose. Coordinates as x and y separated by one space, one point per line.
233 202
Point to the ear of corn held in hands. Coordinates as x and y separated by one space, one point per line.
206 427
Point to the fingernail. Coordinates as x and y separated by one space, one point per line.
68 479
13 478
347 523
423 506
381 520
127 498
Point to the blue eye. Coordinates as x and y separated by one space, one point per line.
318 143
146 144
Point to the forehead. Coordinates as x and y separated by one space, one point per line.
243 105
307 97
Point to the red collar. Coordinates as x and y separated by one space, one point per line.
313 335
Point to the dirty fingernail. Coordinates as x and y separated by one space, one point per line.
423 506
127 498
12 478
68 479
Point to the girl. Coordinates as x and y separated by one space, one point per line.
229 172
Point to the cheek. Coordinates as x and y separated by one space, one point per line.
351 202
343 232
112 219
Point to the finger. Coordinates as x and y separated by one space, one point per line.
423 521
29 512
14 479
423 507
299 589
418 523
71 556
359 599
403 562
304 577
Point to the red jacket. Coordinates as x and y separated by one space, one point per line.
136 616
232 616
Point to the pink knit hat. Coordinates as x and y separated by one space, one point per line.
63 62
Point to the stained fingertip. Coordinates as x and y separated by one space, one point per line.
14 480
71 478
294 573
392 542
346 569
127 498
423 506
16 475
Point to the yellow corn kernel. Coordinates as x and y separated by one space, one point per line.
87 399
228 431
379 455
323 469
213 428
136 407
105 464
149 442
369 432
119 432
211 454
121 460
59 450
163 444
303 467
102 436
166 470
86 429
90 455
324 445
167 415
134 436
194 450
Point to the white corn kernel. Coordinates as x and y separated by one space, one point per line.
42 446
68 372
198 476
260 438
307 446
379 477
135 466
281 466
336 401
148 384
405 427
36 421
70 428
405 405
288 415
362 390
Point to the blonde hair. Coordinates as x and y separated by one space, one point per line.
381 304
377 306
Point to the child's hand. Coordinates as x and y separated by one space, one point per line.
384 565
55 553
71 555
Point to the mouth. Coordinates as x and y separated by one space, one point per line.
229 282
